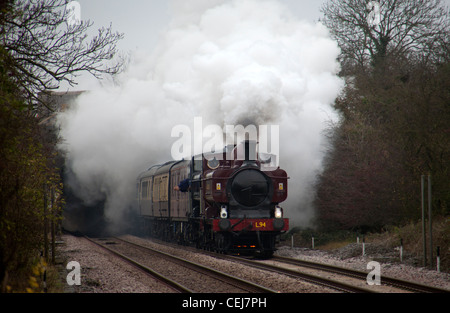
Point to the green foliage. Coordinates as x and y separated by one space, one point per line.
37 53
27 174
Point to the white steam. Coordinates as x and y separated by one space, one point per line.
229 62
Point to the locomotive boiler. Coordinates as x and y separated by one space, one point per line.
227 201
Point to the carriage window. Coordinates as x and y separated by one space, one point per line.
198 165
178 179
163 188
144 189
156 184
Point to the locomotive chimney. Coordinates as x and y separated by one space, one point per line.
250 152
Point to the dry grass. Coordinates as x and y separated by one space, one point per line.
333 245
412 238
410 234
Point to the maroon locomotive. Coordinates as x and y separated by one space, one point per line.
226 201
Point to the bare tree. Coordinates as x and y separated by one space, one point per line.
395 56
44 48
369 31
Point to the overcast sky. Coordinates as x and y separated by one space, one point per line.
143 20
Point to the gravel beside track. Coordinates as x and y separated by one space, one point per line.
274 281
196 277
350 257
102 272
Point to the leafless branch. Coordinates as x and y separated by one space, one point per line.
44 50
407 28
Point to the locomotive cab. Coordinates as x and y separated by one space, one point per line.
244 194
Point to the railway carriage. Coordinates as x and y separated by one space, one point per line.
232 203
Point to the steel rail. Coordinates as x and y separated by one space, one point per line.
334 284
229 279
174 285
303 276
403 284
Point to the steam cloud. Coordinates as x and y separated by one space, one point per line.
230 62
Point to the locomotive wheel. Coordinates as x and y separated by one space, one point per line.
265 254
222 242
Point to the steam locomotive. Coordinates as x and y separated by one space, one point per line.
227 201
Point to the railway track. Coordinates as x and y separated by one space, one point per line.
402 284
314 279
296 268
297 271
162 278
397 284
304 276
192 278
